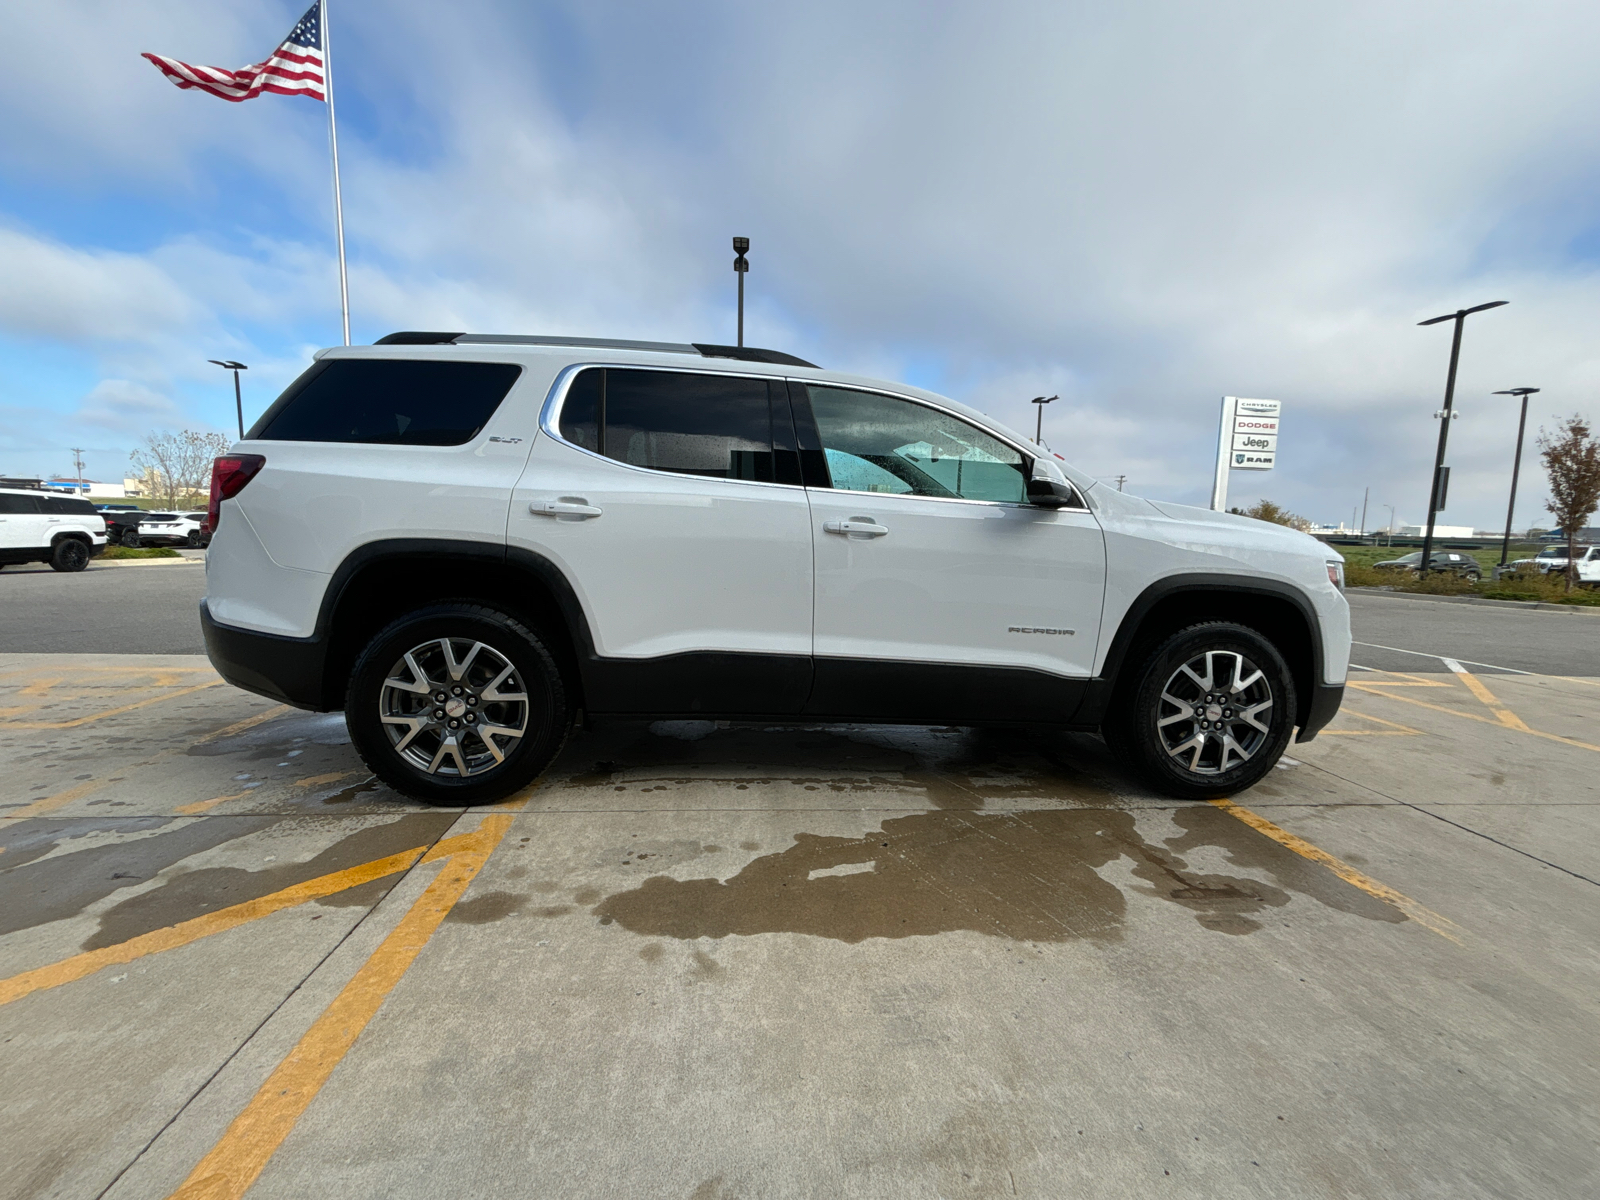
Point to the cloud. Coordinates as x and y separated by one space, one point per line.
1142 207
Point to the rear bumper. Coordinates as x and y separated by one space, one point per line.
280 668
1325 701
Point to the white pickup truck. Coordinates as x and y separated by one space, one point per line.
1554 558
35 526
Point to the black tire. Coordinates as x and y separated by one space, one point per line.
545 715
69 554
1212 772
130 540
192 540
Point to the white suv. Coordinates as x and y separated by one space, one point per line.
37 526
464 541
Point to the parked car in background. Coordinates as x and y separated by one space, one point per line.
170 529
1554 559
121 520
35 526
1452 562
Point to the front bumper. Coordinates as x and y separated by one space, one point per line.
1325 701
280 668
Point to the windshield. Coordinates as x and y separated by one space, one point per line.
1554 552
1411 558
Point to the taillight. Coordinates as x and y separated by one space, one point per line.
229 474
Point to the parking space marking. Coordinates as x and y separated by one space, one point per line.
1423 916
242 1153
1395 729
1476 686
319 780
192 810
247 723
50 803
171 937
110 712
1456 712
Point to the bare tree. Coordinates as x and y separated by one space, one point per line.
1266 510
1572 460
178 465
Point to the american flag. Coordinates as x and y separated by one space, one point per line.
294 68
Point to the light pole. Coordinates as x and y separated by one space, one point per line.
741 267
238 397
1389 528
1516 465
1445 415
1038 426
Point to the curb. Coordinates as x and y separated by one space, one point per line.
1482 602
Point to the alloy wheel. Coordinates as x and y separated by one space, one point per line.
1215 712
453 707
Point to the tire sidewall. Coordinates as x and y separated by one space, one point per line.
1143 739
549 715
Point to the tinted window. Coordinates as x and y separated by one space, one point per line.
10 502
880 444
713 426
388 401
59 505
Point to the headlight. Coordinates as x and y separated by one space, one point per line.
1336 575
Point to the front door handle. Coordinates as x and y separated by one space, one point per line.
856 527
568 506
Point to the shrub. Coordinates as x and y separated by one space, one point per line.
147 552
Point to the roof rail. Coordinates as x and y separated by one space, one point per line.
703 349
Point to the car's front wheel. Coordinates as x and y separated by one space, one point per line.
69 554
457 704
1205 713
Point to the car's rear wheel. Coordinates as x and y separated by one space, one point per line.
69 554
1205 713
193 539
457 704
130 540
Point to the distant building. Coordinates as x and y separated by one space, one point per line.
1439 531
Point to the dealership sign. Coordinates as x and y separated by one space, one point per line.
1247 440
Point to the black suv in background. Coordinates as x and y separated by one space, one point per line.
1452 562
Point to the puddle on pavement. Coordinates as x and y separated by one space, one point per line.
194 893
1029 876
955 768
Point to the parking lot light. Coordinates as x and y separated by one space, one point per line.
1445 415
741 267
1516 465
1038 425
238 398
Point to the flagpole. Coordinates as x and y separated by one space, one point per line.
333 139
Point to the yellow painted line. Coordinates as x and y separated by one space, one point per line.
190 810
247 723
319 780
1487 698
1456 712
40 686
1364 733
50 803
110 712
1425 917
1411 680
181 934
241 1154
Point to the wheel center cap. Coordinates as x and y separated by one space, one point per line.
1213 712
455 706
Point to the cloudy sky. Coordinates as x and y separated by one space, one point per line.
1140 206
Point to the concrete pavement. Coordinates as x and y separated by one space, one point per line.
701 961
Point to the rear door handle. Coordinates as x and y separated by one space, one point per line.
856 527
567 506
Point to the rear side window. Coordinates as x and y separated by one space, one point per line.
62 505
388 401
10 502
713 426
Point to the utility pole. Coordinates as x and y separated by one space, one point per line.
1441 475
236 367
1362 531
77 463
1121 479
741 267
1516 466
1038 425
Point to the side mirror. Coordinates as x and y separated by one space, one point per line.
1048 489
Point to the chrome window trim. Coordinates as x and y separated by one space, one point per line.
550 419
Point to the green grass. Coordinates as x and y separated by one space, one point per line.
147 552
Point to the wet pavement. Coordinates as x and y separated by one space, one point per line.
708 962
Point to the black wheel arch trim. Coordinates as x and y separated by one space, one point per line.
1097 699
